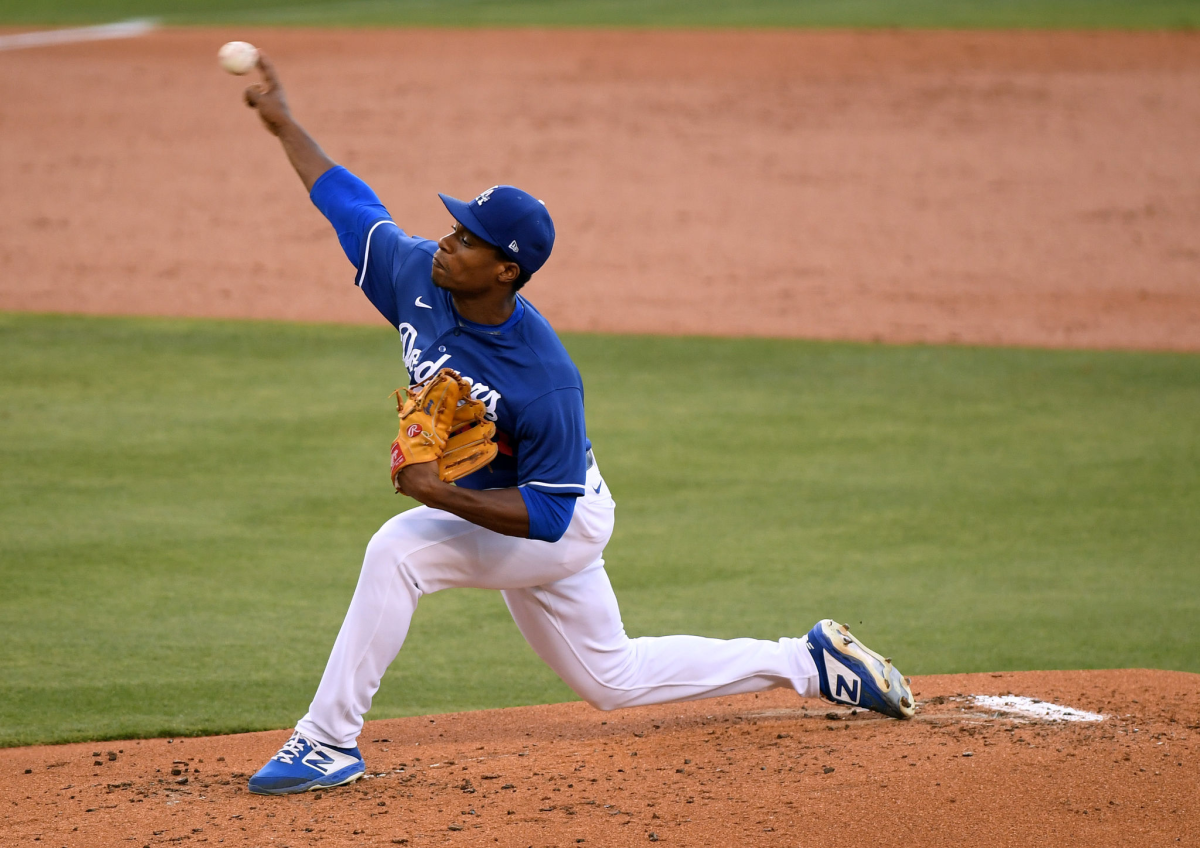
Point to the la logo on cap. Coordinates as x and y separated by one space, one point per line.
485 196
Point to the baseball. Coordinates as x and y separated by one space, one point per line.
238 57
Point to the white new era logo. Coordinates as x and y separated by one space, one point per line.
512 245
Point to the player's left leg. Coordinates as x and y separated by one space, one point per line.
415 553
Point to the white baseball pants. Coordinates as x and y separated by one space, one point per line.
561 599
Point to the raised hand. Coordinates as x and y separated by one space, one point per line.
267 97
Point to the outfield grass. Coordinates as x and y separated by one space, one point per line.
184 504
1136 14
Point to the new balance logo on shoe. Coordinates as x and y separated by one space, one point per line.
319 760
844 684
851 673
851 691
303 764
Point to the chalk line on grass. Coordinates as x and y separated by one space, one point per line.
102 32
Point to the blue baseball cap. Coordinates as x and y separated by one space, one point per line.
509 219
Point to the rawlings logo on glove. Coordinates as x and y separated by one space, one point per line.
440 422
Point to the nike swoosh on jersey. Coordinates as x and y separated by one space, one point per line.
423 305
598 485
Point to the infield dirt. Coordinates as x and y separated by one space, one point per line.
753 770
994 188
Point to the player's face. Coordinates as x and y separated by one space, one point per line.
466 264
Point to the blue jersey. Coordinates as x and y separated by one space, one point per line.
519 369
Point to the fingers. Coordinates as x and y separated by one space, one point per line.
270 82
268 72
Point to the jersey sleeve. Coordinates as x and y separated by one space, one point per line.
552 443
549 515
351 207
373 243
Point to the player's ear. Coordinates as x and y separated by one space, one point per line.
509 271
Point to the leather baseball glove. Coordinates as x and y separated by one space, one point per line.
440 422
471 444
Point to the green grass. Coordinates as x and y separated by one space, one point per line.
1133 14
184 505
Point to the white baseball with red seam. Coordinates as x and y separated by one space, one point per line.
238 57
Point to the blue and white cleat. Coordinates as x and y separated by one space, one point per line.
303 765
854 675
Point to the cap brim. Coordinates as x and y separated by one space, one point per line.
463 214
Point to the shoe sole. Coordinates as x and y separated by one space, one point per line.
887 678
312 785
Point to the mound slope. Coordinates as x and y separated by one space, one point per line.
753 770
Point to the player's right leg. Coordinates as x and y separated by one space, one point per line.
575 626
854 675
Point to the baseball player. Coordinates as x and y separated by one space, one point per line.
533 524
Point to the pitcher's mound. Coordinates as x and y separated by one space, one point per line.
1088 758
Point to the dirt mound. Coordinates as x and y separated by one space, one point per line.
998 188
764 770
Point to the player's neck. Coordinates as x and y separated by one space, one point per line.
487 309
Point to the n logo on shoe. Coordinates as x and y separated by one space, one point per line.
318 760
844 684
